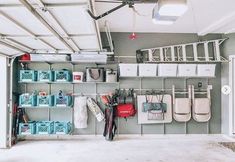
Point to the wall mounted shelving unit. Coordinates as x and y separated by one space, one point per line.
138 83
71 87
66 62
68 83
140 90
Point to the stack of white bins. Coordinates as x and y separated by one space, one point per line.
167 70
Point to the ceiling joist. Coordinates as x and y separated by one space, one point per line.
13 42
19 44
13 46
46 24
4 54
47 36
47 5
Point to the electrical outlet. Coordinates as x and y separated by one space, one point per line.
199 85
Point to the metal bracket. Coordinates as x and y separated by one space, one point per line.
124 3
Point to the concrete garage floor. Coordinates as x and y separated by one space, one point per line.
168 148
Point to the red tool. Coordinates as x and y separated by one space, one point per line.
25 57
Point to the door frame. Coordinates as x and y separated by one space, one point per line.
4 102
232 95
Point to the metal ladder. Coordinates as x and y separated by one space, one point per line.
178 53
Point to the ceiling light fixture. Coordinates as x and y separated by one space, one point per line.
166 12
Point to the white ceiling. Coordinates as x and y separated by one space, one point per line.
79 30
203 16
71 22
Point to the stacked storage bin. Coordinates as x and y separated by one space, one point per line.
45 76
45 100
27 128
62 100
63 76
28 75
62 127
45 127
27 100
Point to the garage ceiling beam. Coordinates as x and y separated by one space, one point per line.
48 5
14 42
50 14
22 27
4 54
47 36
19 43
218 24
12 46
92 8
45 23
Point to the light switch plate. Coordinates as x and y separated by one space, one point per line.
210 87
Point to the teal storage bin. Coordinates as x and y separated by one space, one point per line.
27 128
63 101
62 127
28 75
45 100
45 127
27 100
63 76
45 76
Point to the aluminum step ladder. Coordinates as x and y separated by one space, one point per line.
205 51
